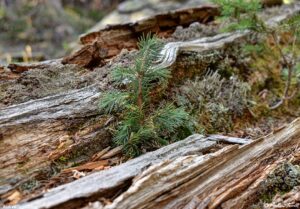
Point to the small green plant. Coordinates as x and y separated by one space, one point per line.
214 100
142 126
244 15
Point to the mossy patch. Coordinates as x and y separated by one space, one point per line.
282 180
214 101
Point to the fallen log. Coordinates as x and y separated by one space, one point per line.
112 39
114 179
230 140
228 178
109 41
170 51
62 122
20 68
31 132
180 176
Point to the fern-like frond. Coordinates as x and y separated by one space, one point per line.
243 24
234 8
242 14
293 24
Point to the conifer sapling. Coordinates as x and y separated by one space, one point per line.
142 126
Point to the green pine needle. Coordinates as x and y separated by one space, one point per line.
169 118
113 101
141 128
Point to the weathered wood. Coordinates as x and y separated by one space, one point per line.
114 38
181 177
170 51
228 139
117 177
44 129
14 70
20 68
32 133
228 178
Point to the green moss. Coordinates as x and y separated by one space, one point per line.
29 185
214 101
282 180
62 159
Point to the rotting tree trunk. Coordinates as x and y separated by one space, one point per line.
181 176
39 127
228 178
34 133
112 39
118 177
31 132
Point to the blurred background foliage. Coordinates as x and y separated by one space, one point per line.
44 29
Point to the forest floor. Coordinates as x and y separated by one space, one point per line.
262 73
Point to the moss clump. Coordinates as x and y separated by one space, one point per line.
214 101
283 179
29 185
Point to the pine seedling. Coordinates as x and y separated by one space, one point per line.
140 126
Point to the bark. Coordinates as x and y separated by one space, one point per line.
170 51
180 176
118 177
228 178
34 133
114 38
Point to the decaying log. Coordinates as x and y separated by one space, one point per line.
61 119
7 74
231 140
109 181
169 53
31 132
14 70
20 68
114 38
228 178
180 176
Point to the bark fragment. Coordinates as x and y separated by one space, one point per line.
114 38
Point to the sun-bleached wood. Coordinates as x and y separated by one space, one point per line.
31 132
228 178
103 182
